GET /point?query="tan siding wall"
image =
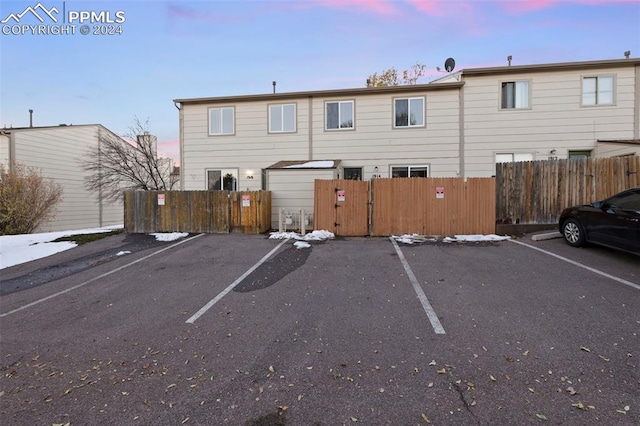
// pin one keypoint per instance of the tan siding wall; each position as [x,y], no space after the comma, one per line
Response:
[57,153]
[374,142]
[252,148]
[615,150]
[293,190]
[556,119]
[4,150]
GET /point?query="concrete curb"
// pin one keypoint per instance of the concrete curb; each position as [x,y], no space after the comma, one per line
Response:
[546,236]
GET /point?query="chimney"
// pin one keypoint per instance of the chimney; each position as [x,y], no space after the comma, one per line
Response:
[30,118]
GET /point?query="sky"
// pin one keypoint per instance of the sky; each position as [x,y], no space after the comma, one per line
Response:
[159,51]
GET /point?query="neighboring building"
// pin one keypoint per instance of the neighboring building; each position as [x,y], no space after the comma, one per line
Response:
[56,152]
[461,125]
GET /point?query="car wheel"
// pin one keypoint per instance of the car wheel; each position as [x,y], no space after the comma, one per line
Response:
[573,233]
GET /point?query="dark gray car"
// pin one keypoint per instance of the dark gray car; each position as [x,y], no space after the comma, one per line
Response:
[614,222]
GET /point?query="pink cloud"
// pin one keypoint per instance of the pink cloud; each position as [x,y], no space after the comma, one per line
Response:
[428,7]
[170,148]
[379,7]
[525,6]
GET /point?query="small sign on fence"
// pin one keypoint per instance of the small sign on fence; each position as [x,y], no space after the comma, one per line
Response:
[439,192]
[246,201]
[341,195]
[161,199]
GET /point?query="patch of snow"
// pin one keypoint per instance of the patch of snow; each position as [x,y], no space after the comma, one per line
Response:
[122,253]
[17,249]
[475,238]
[416,238]
[301,245]
[312,165]
[283,236]
[311,236]
[171,236]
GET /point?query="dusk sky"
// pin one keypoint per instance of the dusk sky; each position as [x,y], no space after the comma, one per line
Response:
[182,49]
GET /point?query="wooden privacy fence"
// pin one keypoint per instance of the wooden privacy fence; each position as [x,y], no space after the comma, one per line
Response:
[341,206]
[433,206]
[443,206]
[197,211]
[536,192]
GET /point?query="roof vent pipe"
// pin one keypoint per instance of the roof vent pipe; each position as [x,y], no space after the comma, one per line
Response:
[509,58]
[30,118]
[274,86]
[627,54]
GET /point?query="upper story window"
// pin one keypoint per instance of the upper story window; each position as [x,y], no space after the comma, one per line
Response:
[339,115]
[597,90]
[409,112]
[515,95]
[221,121]
[282,118]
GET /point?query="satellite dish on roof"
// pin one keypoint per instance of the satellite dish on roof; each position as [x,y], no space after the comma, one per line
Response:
[449,64]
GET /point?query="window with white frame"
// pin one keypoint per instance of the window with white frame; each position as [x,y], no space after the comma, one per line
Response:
[515,95]
[222,180]
[409,112]
[510,157]
[409,171]
[597,90]
[282,118]
[221,121]
[339,115]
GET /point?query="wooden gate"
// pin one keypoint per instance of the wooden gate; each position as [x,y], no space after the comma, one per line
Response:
[342,206]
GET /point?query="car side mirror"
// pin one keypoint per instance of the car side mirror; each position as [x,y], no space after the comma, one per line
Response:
[597,205]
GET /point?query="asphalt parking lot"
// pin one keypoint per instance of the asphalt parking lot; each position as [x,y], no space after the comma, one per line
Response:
[244,330]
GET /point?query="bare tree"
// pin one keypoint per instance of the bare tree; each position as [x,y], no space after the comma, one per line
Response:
[26,199]
[390,77]
[124,163]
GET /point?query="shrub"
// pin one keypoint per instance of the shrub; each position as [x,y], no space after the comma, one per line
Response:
[26,199]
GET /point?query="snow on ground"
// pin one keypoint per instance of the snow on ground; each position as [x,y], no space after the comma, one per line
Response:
[17,249]
[416,238]
[311,236]
[171,236]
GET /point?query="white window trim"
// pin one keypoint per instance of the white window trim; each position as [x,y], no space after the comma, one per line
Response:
[515,157]
[598,104]
[295,118]
[233,110]
[353,116]
[515,108]
[409,125]
[409,166]
[223,171]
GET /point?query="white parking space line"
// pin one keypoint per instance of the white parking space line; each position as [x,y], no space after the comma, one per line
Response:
[431,314]
[231,286]
[588,268]
[44,299]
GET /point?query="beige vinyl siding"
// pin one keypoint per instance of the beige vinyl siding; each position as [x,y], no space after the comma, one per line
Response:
[375,142]
[556,118]
[252,148]
[615,150]
[4,150]
[57,153]
[293,190]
